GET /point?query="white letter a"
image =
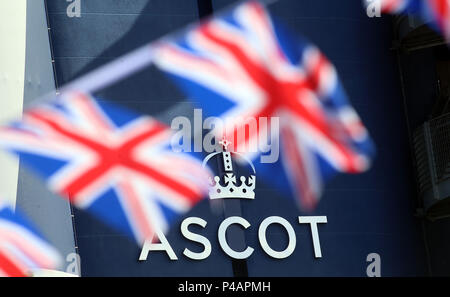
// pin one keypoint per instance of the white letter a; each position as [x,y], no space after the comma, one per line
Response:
[162,246]
[373,8]
[74,9]
[373,269]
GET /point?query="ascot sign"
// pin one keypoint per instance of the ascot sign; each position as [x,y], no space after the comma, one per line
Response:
[228,189]
[165,246]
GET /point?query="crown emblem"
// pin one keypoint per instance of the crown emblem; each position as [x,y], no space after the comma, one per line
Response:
[228,187]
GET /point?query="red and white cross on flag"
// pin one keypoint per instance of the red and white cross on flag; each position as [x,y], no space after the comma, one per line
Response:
[110,161]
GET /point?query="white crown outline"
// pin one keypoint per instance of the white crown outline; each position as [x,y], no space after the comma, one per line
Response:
[230,189]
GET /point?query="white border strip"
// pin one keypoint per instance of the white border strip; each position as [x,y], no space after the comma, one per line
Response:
[12,81]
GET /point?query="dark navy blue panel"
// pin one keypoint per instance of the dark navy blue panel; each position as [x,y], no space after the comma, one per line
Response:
[367,213]
[109,29]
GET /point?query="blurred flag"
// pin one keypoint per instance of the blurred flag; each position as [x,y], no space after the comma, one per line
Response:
[435,11]
[22,248]
[109,161]
[245,65]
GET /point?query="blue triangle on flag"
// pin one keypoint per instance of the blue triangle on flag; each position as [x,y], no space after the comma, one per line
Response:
[231,19]
[119,116]
[203,96]
[108,208]
[45,166]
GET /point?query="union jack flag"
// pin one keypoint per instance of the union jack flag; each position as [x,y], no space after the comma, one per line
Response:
[22,248]
[437,12]
[109,161]
[244,65]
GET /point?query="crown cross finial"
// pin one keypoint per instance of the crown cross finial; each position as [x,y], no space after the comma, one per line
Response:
[225,143]
[228,185]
